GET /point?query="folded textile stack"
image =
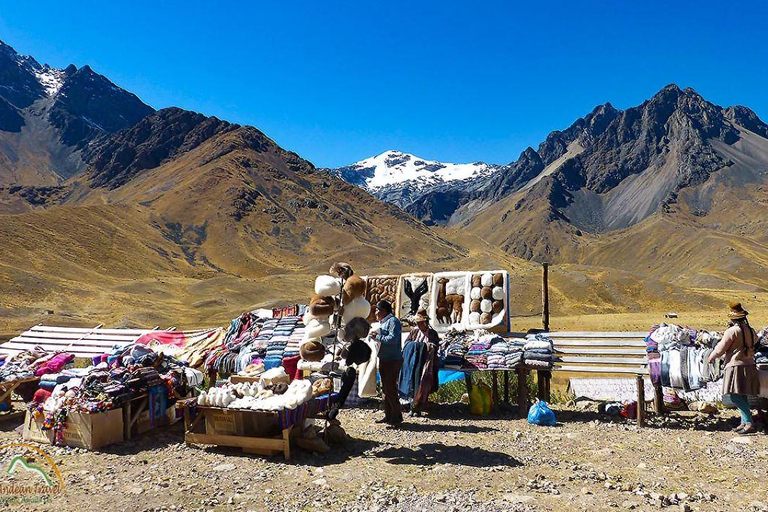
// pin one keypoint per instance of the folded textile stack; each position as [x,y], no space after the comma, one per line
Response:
[294,341]
[32,363]
[477,355]
[761,350]
[504,354]
[455,345]
[539,353]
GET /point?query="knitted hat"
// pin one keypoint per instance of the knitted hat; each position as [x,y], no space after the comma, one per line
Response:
[736,311]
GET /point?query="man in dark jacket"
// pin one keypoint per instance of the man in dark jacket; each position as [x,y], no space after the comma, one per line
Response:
[390,361]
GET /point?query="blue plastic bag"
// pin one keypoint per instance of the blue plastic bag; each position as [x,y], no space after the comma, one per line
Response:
[541,414]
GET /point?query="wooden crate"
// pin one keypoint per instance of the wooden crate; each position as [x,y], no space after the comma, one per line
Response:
[247,430]
[84,430]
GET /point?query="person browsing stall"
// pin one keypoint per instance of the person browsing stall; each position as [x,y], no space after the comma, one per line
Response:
[741,377]
[390,361]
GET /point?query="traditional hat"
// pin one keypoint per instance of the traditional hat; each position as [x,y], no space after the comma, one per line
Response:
[312,351]
[354,287]
[356,329]
[736,311]
[341,269]
[421,316]
[322,307]
[358,352]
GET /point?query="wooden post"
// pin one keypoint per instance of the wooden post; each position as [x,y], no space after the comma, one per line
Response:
[658,399]
[506,387]
[545,296]
[495,380]
[522,392]
[468,381]
[543,379]
[640,401]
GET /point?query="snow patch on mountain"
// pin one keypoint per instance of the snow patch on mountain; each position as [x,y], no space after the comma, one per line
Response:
[393,168]
[51,79]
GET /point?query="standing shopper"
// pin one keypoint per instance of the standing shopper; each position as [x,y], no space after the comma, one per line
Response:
[390,361]
[741,377]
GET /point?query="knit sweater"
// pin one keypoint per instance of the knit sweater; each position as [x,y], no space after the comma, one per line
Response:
[733,346]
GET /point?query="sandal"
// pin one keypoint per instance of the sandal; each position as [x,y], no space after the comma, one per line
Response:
[747,430]
[738,429]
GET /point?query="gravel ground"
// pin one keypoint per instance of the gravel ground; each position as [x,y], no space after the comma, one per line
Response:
[448,461]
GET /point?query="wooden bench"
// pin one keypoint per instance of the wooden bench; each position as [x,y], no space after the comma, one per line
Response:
[611,353]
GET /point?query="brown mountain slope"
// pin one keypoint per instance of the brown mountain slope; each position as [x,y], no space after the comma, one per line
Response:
[235,201]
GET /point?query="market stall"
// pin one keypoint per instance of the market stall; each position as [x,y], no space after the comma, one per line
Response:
[129,390]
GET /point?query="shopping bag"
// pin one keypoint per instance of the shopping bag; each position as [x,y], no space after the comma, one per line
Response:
[480,400]
[541,414]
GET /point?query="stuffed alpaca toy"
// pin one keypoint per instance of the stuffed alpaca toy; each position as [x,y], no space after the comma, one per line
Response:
[327,286]
[356,329]
[356,308]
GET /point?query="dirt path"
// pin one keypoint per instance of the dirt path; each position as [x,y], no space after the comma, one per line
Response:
[450,461]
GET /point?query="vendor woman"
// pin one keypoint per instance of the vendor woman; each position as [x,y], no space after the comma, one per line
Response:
[424,362]
[741,377]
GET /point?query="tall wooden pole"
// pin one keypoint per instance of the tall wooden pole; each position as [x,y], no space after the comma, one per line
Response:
[545,296]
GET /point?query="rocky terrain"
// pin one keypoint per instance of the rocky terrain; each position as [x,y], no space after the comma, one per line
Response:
[449,461]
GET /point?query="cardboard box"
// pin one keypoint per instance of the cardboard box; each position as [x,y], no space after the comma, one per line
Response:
[84,430]
[228,423]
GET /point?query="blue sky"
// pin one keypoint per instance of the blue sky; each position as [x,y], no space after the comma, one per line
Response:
[454,81]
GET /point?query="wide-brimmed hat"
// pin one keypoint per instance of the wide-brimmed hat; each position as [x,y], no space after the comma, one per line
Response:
[312,351]
[421,316]
[737,312]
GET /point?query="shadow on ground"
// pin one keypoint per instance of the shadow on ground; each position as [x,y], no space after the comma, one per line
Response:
[437,453]
[674,420]
[435,427]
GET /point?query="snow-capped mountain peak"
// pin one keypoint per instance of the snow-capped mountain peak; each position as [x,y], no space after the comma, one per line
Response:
[396,168]
[51,79]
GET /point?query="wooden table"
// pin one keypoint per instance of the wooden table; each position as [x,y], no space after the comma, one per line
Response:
[132,409]
[523,400]
[260,424]
[259,445]
[6,388]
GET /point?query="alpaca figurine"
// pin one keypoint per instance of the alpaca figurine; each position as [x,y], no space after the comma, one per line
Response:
[442,313]
[458,308]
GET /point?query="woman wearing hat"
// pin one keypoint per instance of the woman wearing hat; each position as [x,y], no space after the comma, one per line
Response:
[741,377]
[425,373]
